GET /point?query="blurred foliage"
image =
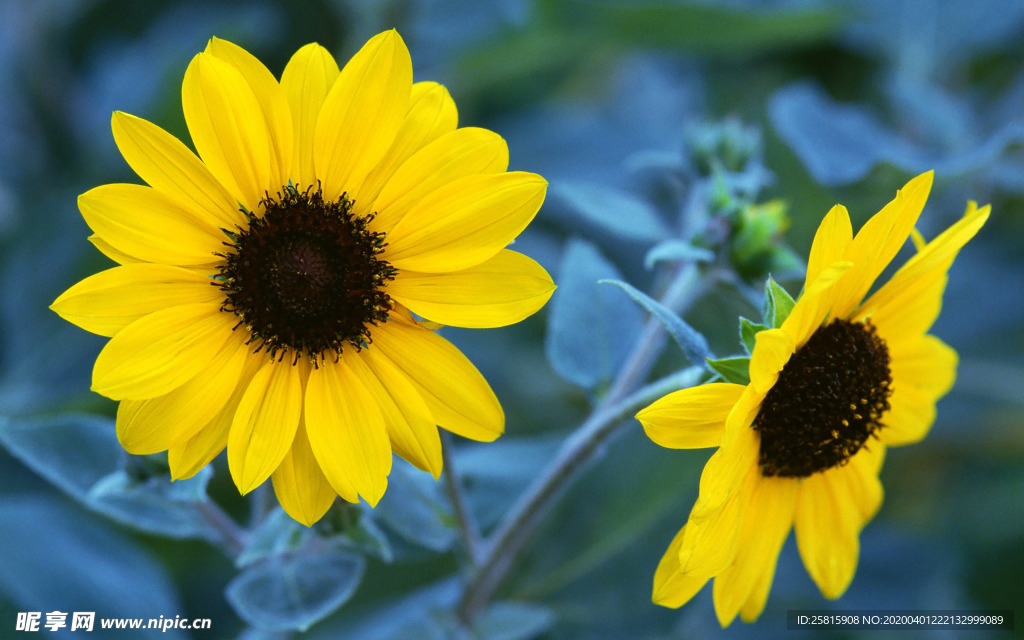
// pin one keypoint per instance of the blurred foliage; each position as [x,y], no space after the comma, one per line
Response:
[671,131]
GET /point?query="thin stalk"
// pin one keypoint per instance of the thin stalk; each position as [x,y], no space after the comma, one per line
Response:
[516,528]
[233,538]
[468,527]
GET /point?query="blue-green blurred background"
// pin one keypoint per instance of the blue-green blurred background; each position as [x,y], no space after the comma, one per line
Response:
[851,98]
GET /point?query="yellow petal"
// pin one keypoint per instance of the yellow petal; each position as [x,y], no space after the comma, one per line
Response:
[411,427]
[766,525]
[171,168]
[264,424]
[878,242]
[691,418]
[228,128]
[728,466]
[501,291]
[117,256]
[144,223]
[150,426]
[909,418]
[754,606]
[457,395]
[347,432]
[815,304]
[772,350]
[925,364]
[300,485]
[673,588]
[829,517]
[431,114]
[110,300]
[830,243]
[272,101]
[361,114]
[713,537]
[460,153]
[908,304]
[161,351]
[465,222]
[923,370]
[306,80]
[188,457]
[864,488]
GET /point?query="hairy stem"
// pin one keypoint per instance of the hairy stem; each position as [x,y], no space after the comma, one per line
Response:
[233,538]
[516,528]
[468,527]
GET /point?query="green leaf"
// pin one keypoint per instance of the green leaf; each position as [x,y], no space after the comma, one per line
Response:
[507,69]
[73,451]
[708,28]
[415,509]
[513,621]
[277,534]
[692,342]
[777,304]
[735,369]
[365,537]
[295,590]
[591,328]
[80,455]
[155,505]
[677,251]
[54,555]
[612,210]
[748,330]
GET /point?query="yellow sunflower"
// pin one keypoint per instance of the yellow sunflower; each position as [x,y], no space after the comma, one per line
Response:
[801,445]
[267,288]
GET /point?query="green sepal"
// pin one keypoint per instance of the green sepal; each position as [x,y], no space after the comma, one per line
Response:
[748,330]
[777,303]
[735,369]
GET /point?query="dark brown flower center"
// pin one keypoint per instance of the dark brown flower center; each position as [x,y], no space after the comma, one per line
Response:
[829,399]
[306,276]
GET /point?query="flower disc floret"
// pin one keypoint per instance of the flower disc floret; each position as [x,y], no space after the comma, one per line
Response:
[830,398]
[306,276]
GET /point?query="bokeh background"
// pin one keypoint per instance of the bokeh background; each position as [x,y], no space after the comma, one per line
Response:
[620,106]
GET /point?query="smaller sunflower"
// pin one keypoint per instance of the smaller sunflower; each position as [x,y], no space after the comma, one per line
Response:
[831,386]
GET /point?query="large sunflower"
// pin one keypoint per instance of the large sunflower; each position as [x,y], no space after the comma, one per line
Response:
[802,444]
[265,295]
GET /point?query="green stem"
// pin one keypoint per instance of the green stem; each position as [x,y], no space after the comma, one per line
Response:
[233,538]
[516,528]
[468,527]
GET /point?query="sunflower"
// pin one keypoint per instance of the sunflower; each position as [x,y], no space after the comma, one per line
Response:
[831,386]
[278,294]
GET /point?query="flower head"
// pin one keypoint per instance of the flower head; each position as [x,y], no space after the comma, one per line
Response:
[265,295]
[841,378]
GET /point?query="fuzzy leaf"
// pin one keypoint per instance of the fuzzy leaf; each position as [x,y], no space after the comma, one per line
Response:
[590,328]
[73,452]
[155,505]
[415,509]
[611,210]
[513,621]
[293,591]
[56,557]
[692,342]
[677,250]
